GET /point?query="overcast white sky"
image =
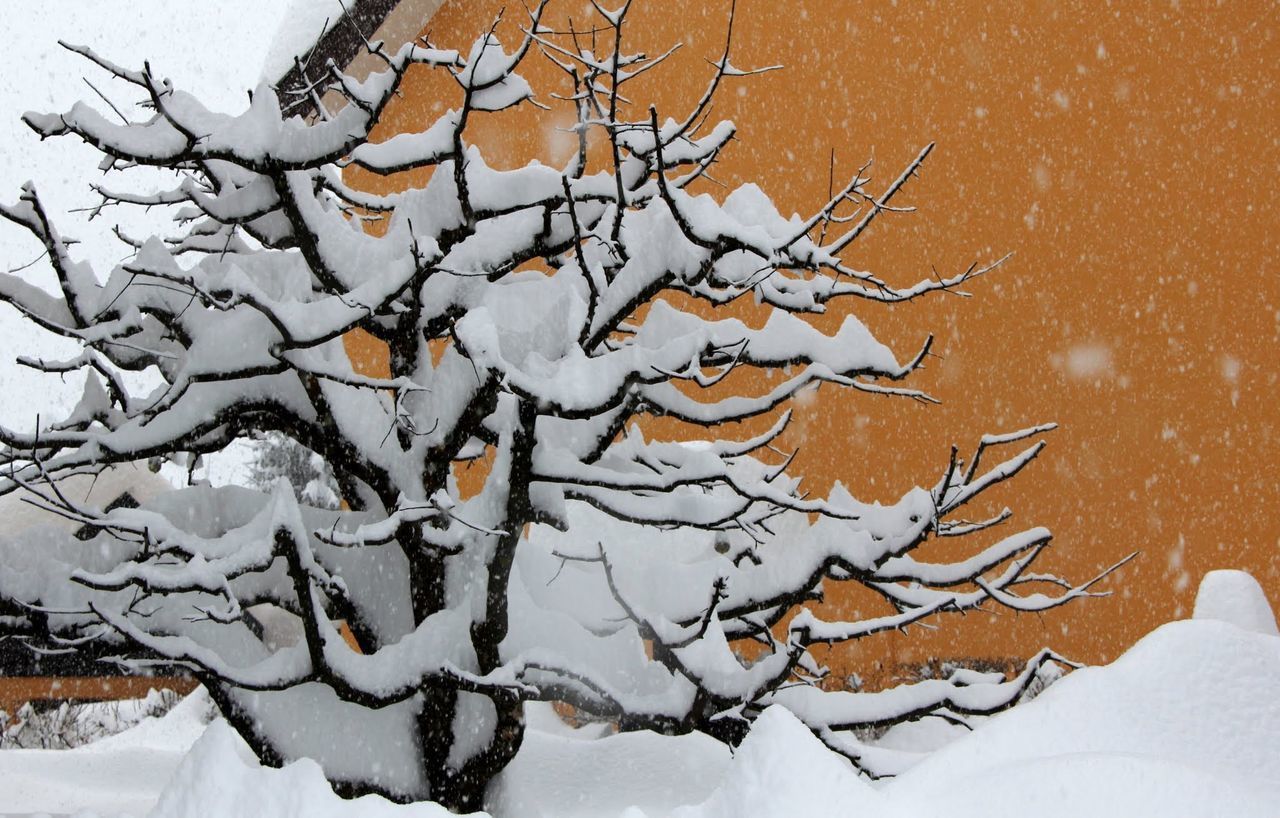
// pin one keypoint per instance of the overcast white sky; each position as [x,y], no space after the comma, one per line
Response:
[214,49]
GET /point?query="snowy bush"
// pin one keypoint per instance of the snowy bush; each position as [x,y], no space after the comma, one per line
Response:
[276,456]
[69,724]
[532,317]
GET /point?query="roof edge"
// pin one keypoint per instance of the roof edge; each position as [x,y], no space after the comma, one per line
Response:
[394,22]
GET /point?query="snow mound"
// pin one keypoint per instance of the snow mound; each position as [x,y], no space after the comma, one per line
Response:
[120,774]
[220,777]
[175,731]
[1235,597]
[782,769]
[563,774]
[1184,723]
[1070,786]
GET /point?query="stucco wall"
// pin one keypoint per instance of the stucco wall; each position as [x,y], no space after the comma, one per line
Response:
[1125,153]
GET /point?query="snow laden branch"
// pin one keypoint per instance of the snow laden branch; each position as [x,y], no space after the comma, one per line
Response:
[689,602]
[533,319]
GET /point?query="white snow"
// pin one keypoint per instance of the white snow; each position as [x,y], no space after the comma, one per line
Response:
[1235,597]
[568,774]
[1230,366]
[1186,723]
[781,769]
[220,777]
[121,774]
[302,23]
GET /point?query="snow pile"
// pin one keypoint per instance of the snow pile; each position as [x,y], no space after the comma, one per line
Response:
[220,778]
[781,769]
[176,730]
[1184,724]
[121,774]
[565,773]
[1235,597]
[102,489]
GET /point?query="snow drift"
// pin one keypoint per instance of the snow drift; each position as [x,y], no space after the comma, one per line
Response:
[121,774]
[221,778]
[1186,723]
[1183,724]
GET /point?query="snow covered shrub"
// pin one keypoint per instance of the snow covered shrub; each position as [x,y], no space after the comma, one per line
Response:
[277,455]
[69,724]
[532,316]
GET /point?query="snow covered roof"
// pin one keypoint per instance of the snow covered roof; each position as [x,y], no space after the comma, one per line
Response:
[103,489]
[315,32]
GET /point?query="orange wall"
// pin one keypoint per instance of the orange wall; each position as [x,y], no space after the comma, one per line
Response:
[1125,153]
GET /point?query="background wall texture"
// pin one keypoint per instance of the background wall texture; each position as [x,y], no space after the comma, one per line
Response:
[1126,155]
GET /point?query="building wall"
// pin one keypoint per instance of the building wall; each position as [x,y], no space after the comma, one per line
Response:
[1124,153]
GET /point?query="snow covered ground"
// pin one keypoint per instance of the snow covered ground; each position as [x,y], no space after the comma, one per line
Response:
[1186,723]
[121,774]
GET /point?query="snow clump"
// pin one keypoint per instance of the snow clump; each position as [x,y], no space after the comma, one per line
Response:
[1235,597]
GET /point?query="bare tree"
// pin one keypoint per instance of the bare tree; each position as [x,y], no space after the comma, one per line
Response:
[529,322]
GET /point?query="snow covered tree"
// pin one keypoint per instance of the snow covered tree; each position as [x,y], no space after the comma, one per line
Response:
[534,318]
[276,456]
